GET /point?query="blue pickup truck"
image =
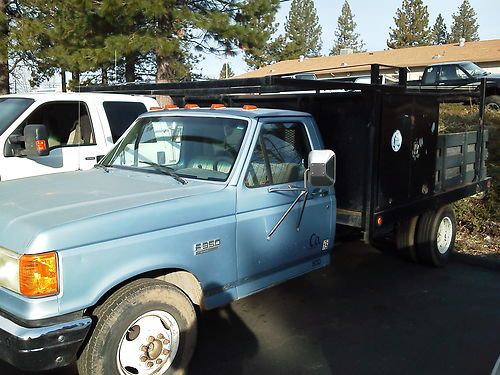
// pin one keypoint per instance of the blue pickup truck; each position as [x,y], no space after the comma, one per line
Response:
[196,207]
[244,201]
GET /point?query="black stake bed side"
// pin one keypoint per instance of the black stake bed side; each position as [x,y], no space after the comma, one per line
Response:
[378,180]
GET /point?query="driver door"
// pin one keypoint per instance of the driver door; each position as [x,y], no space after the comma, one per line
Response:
[278,160]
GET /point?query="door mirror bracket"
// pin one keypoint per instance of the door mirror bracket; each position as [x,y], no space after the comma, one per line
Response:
[321,172]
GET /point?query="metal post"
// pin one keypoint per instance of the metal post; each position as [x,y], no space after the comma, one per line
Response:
[375,74]
[480,131]
[403,76]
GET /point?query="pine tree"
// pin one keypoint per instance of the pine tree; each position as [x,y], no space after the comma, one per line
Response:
[302,31]
[158,36]
[439,33]
[4,43]
[411,25]
[464,24]
[345,35]
[263,19]
[226,71]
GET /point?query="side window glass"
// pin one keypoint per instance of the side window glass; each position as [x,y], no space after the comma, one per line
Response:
[280,155]
[449,73]
[68,123]
[430,76]
[121,115]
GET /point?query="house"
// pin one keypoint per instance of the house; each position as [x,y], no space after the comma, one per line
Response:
[485,53]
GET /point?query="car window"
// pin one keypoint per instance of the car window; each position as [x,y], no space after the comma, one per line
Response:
[202,148]
[67,123]
[280,155]
[430,76]
[11,109]
[451,73]
[121,115]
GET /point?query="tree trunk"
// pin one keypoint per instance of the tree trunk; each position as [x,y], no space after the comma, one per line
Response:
[164,69]
[75,76]
[4,55]
[63,80]
[130,62]
[104,76]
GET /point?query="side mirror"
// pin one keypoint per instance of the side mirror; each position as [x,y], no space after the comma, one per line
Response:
[36,141]
[322,168]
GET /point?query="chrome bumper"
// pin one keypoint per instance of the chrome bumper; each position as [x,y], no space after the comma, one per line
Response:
[41,348]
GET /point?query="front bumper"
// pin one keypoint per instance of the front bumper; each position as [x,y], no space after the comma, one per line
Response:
[41,348]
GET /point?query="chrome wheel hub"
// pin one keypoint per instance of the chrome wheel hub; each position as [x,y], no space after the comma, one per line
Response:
[444,235]
[149,344]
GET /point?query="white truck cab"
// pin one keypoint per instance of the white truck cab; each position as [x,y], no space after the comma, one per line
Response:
[81,128]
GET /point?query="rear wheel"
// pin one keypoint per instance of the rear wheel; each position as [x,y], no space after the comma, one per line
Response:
[435,237]
[147,327]
[493,102]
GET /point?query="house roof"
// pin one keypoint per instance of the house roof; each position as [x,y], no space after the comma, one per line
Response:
[485,51]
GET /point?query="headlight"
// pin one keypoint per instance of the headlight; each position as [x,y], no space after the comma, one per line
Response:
[9,269]
[30,275]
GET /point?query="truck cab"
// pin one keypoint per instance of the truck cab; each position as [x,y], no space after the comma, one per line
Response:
[205,206]
[462,76]
[81,128]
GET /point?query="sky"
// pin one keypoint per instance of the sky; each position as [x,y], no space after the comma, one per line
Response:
[373,18]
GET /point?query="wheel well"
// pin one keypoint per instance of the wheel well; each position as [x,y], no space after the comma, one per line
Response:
[182,279]
[186,282]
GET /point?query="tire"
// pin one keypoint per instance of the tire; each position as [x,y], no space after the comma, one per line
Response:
[405,238]
[147,326]
[492,102]
[435,239]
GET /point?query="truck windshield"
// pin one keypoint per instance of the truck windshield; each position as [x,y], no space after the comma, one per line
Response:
[10,109]
[474,70]
[203,148]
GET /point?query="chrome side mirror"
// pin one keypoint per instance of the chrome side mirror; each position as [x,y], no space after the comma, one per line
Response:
[322,168]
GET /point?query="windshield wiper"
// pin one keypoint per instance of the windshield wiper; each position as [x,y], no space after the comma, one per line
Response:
[164,169]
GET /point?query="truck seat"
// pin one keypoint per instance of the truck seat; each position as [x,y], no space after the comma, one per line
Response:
[81,133]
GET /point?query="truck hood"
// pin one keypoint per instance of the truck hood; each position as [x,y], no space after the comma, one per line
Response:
[70,209]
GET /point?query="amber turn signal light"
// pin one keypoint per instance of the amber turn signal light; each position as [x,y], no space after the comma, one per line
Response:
[38,275]
[41,145]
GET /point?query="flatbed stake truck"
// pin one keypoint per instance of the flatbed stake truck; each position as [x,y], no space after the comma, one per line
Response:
[195,208]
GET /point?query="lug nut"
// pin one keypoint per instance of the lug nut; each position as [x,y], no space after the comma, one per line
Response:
[159,361]
[143,358]
[144,348]
[151,339]
[160,337]
[149,364]
[166,351]
[166,341]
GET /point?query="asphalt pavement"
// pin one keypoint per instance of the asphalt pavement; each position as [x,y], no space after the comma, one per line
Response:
[368,313]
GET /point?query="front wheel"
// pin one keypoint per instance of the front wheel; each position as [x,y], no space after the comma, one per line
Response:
[435,237]
[146,327]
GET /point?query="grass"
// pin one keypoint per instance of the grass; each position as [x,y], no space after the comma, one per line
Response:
[478,218]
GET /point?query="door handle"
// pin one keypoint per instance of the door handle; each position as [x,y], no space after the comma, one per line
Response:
[90,158]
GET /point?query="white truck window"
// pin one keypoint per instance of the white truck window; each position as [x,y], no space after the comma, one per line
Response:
[68,123]
[11,108]
[121,115]
[280,155]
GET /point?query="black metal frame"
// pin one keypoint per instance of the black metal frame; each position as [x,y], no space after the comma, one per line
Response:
[237,91]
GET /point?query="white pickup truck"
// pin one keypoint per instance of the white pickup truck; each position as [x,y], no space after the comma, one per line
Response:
[81,128]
